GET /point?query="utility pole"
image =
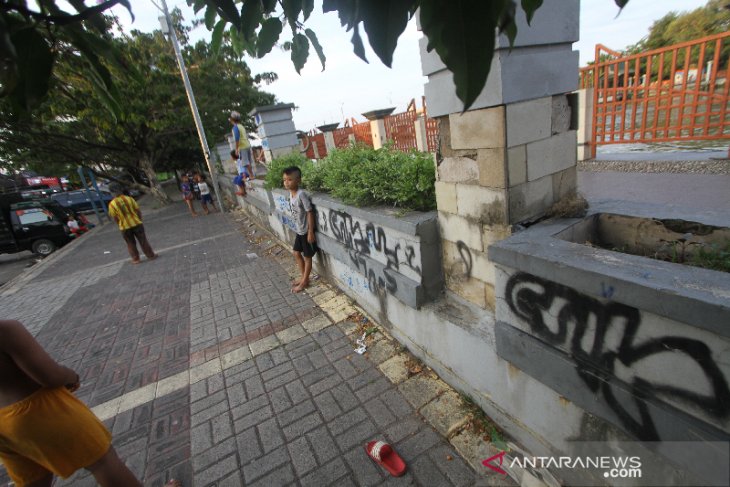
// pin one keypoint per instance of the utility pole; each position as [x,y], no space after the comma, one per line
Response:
[167,28]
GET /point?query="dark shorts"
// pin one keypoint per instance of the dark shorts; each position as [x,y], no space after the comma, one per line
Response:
[301,245]
[206,198]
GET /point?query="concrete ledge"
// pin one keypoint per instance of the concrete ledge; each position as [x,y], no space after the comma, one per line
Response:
[692,295]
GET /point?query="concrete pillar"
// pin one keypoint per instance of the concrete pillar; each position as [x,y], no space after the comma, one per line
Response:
[377,125]
[585,123]
[377,129]
[513,154]
[329,136]
[329,141]
[421,141]
[276,129]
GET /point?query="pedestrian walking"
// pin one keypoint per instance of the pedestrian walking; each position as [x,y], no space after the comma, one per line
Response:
[44,429]
[128,216]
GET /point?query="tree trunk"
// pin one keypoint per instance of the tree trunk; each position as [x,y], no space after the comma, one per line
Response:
[145,164]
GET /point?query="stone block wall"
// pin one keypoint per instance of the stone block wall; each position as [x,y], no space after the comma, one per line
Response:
[513,154]
[498,166]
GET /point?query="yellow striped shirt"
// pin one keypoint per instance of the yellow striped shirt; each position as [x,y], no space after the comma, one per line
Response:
[124,210]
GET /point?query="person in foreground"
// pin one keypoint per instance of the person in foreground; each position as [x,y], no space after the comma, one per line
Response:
[302,212]
[128,216]
[44,429]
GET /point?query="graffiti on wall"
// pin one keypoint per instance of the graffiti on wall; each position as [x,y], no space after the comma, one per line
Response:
[282,205]
[366,239]
[588,328]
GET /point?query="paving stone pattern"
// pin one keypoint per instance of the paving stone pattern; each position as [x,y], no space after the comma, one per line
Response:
[297,413]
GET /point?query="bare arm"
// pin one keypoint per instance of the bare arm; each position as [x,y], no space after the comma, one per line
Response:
[32,359]
[311,238]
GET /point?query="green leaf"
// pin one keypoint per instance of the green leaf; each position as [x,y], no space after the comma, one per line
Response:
[210,15]
[307,8]
[292,8]
[227,10]
[269,34]
[251,17]
[34,65]
[197,5]
[217,36]
[317,47]
[237,42]
[299,51]
[358,47]
[384,21]
[346,10]
[269,5]
[529,6]
[508,21]
[97,20]
[463,36]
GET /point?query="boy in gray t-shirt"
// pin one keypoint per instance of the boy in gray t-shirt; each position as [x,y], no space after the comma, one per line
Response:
[302,214]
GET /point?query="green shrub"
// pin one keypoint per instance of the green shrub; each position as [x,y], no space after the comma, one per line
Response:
[362,176]
[276,167]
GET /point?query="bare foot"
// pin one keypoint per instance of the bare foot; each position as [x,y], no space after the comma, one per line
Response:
[300,287]
[135,262]
[152,258]
[173,483]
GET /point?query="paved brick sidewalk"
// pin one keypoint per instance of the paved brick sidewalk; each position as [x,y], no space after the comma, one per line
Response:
[207,369]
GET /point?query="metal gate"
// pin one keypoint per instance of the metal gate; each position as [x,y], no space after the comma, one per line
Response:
[675,93]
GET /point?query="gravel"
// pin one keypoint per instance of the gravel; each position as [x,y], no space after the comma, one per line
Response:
[721,166]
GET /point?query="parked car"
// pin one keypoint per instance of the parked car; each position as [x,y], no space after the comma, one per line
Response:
[79,200]
[39,226]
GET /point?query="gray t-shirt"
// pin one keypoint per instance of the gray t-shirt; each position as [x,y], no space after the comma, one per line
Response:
[299,205]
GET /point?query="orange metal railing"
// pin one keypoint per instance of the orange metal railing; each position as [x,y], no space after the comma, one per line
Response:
[674,93]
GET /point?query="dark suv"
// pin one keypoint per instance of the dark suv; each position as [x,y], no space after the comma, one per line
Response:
[79,201]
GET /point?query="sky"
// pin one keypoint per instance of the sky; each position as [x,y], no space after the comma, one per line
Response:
[349,87]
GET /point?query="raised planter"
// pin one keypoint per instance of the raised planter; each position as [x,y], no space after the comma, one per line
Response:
[371,252]
[641,344]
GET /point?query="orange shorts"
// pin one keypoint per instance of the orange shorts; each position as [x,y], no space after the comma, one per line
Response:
[50,431]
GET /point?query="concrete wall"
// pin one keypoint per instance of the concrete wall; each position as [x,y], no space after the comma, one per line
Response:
[637,347]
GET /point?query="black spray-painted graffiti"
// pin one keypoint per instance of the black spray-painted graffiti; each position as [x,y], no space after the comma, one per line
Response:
[361,241]
[466,257]
[531,297]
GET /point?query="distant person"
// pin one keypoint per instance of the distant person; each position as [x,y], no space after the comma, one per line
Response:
[44,429]
[128,216]
[205,197]
[186,187]
[240,145]
[75,227]
[302,214]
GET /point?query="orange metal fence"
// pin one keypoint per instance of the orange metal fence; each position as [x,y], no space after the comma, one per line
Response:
[363,133]
[400,129]
[674,93]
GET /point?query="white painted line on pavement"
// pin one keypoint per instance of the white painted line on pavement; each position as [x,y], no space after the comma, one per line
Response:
[153,391]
